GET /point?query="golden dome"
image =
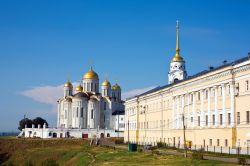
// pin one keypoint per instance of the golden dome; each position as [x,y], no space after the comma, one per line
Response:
[177,58]
[79,88]
[90,74]
[116,87]
[106,83]
[68,84]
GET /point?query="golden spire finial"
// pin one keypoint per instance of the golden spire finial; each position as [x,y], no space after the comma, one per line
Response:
[177,38]
[177,56]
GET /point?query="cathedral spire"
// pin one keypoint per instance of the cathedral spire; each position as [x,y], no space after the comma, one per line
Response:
[177,56]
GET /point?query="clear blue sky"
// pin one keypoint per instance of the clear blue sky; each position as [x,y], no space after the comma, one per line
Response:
[43,42]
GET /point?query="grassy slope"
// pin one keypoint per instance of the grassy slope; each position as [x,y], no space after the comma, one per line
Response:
[77,152]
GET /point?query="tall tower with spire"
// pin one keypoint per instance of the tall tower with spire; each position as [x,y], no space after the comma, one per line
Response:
[177,66]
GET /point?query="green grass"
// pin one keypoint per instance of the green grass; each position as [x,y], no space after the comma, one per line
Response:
[79,153]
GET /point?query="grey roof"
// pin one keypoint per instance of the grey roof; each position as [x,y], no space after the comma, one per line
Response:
[80,95]
[194,76]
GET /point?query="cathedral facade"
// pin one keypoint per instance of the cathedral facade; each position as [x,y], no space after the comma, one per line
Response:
[85,107]
[212,106]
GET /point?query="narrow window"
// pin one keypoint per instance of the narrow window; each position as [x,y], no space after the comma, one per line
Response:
[81,112]
[213,119]
[247,85]
[229,118]
[206,120]
[91,87]
[92,114]
[238,117]
[210,142]
[218,142]
[247,116]
[77,112]
[192,119]
[226,143]
[228,89]
[104,105]
[221,119]
[199,121]
[199,96]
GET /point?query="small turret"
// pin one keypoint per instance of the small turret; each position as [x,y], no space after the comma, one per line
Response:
[68,88]
[91,81]
[106,88]
[116,92]
[79,88]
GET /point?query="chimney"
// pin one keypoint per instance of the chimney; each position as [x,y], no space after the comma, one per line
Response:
[211,67]
[224,62]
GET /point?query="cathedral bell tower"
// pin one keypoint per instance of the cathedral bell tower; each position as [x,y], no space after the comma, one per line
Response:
[177,66]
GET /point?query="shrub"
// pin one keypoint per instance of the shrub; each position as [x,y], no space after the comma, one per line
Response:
[50,162]
[161,144]
[242,161]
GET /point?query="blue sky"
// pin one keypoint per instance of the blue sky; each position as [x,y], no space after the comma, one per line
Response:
[42,43]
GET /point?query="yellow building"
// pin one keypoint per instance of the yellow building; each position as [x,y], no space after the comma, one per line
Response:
[213,105]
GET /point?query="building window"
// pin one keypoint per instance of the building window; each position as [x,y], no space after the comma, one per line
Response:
[218,142]
[88,87]
[238,117]
[192,119]
[81,112]
[199,120]
[210,142]
[213,119]
[220,91]
[77,112]
[247,116]
[229,118]
[226,143]
[247,85]
[228,89]
[92,114]
[198,96]
[206,94]
[206,120]
[105,106]
[221,119]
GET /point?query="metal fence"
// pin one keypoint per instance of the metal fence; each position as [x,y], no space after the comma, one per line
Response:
[215,149]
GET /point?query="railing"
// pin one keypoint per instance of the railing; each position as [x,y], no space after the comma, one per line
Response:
[215,149]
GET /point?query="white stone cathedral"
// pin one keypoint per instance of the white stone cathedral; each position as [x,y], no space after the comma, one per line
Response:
[86,108]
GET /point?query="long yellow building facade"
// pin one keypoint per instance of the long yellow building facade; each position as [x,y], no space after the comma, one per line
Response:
[214,107]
